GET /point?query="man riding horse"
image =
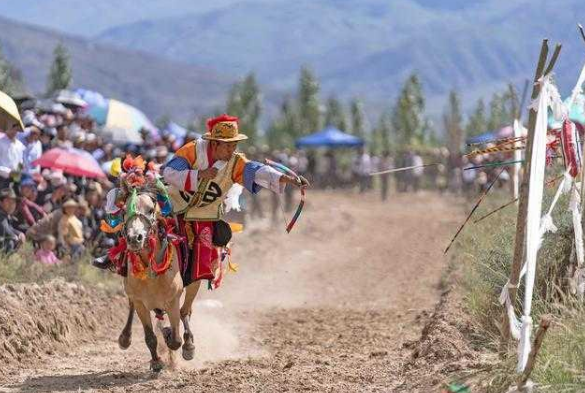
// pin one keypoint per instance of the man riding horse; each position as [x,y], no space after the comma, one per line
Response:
[199,176]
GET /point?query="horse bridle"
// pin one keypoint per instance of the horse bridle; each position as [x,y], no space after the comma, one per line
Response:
[151,221]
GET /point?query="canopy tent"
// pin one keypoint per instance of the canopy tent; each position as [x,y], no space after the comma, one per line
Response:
[329,137]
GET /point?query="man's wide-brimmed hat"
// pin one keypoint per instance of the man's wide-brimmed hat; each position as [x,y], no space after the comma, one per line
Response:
[70,203]
[224,129]
[7,193]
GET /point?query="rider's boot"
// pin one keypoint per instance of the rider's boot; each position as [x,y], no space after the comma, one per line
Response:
[102,262]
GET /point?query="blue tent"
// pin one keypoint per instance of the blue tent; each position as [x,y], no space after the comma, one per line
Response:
[329,137]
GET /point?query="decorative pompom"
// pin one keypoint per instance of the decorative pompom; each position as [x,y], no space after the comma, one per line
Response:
[220,119]
[128,163]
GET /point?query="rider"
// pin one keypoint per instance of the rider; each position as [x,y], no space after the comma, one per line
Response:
[200,175]
[203,171]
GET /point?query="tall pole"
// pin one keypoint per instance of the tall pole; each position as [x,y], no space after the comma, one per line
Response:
[519,242]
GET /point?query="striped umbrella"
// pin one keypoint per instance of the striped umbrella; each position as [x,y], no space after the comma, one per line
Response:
[120,122]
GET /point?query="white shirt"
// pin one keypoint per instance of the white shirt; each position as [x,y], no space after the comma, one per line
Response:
[11,155]
[32,151]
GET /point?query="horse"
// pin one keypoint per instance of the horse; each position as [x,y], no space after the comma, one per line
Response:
[154,292]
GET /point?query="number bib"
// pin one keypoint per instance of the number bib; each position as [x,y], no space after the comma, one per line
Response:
[207,203]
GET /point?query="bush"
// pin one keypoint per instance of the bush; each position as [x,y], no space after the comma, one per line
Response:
[21,267]
[486,252]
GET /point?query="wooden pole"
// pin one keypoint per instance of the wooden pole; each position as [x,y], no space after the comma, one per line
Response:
[519,241]
[545,322]
[515,169]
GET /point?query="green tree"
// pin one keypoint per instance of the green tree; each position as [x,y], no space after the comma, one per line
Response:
[381,136]
[287,128]
[244,101]
[334,115]
[477,123]
[11,81]
[60,74]
[452,121]
[497,117]
[510,104]
[358,118]
[408,116]
[308,102]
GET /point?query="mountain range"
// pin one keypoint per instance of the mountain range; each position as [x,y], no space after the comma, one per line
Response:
[362,48]
[156,85]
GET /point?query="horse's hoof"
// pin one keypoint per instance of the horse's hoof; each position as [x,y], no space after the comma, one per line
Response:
[156,365]
[124,341]
[173,345]
[188,351]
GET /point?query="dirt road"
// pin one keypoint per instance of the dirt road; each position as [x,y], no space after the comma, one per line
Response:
[326,308]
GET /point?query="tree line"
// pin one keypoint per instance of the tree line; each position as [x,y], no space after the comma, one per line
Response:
[60,74]
[402,125]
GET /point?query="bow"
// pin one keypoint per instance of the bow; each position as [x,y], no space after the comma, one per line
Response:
[286,170]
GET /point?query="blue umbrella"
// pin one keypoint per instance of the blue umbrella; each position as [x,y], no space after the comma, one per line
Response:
[329,137]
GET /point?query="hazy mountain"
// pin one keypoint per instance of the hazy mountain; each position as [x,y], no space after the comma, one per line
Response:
[155,85]
[364,47]
[88,18]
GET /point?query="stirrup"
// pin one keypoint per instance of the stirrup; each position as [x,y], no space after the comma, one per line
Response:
[102,262]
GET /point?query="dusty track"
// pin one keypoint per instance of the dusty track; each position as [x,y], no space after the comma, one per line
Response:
[326,308]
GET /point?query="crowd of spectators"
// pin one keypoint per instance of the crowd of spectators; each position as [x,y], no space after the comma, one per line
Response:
[61,214]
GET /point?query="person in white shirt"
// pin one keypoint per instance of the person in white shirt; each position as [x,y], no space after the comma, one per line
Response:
[11,156]
[33,149]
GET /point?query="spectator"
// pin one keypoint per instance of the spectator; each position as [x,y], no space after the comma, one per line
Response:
[10,237]
[55,199]
[11,157]
[28,211]
[46,254]
[362,169]
[70,233]
[384,164]
[33,149]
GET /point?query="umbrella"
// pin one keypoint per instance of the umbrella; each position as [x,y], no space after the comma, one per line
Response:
[121,122]
[70,98]
[50,106]
[330,137]
[72,161]
[8,112]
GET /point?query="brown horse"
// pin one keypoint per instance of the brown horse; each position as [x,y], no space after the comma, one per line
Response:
[159,293]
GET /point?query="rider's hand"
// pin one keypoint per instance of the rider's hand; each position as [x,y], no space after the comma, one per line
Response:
[207,174]
[295,181]
[21,238]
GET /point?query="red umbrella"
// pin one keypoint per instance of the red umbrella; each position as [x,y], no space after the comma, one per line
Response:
[72,161]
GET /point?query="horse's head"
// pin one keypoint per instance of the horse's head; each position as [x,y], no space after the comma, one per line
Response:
[141,223]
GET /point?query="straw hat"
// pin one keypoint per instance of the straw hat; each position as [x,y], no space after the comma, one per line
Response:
[70,203]
[224,129]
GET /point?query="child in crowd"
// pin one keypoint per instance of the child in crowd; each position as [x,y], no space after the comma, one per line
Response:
[71,230]
[46,254]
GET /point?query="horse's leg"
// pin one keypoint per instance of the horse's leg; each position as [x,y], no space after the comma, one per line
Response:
[125,338]
[189,346]
[171,334]
[156,363]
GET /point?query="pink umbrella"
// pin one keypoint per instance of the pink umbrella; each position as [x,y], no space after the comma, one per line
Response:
[72,161]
